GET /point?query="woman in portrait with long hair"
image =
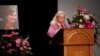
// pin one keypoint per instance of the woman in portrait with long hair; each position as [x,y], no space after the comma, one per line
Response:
[11,18]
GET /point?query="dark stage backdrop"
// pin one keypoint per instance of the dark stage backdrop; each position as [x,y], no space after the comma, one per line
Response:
[34,20]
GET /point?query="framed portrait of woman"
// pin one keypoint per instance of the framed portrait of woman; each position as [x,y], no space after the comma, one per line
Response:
[9,17]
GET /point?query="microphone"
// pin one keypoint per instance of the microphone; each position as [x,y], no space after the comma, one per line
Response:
[1,20]
[68,20]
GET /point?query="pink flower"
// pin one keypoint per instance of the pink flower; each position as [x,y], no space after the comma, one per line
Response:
[21,48]
[13,49]
[3,47]
[14,33]
[18,41]
[25,43]
[9,44]
[10,51]
[81,20]
[7,35]
[82,10]
[88,24]
[85,10]
[25,47]
[10,35]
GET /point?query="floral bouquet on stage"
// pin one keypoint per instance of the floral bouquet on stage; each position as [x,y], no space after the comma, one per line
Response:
[83,19]
[14,45]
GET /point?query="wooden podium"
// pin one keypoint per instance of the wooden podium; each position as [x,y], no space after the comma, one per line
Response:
[78,42]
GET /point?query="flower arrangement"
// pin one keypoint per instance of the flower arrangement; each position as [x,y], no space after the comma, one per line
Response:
[14,45]
[83,19]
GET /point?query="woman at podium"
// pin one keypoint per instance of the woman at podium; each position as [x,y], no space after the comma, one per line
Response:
[58,22]
[55,32]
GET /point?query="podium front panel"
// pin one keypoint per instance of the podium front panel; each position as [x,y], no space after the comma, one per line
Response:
[78,42]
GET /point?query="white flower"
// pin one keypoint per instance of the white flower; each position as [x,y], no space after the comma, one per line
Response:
[81,26]
[29,48]
[86,17]
[93,23]
[81,14]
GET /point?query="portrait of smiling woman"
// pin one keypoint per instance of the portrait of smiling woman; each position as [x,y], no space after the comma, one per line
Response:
[9,17]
